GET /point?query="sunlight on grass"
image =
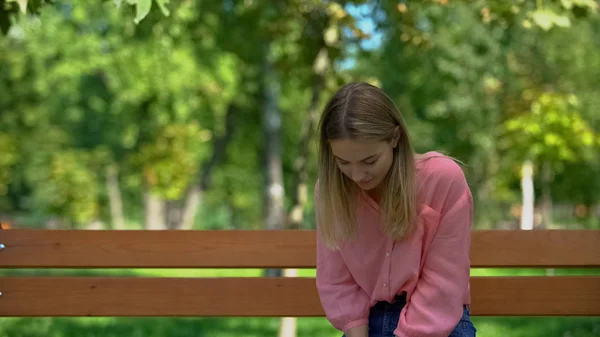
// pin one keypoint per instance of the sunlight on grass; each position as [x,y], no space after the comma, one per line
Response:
[261,327]
[251,272]
[532,271]
[142,272]
[537,326]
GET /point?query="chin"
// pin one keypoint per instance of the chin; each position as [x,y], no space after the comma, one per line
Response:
[368,186]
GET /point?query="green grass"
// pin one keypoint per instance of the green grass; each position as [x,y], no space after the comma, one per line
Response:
[258,272]
[157,327]
[537,326]
[533,271]
[262,327]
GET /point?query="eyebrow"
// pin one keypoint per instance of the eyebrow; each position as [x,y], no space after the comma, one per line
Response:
[367,158]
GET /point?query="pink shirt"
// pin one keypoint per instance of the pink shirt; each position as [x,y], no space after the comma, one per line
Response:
[432,265]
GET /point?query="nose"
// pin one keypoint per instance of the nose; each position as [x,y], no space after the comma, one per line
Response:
[358,175]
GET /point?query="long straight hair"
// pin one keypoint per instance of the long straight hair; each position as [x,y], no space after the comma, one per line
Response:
[363,111]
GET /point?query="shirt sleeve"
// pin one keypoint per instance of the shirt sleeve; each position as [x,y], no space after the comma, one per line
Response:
[345,303]
[436,306]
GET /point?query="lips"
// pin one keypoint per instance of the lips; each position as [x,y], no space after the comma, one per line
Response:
[364,182]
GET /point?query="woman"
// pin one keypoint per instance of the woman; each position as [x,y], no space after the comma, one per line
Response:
[393,227]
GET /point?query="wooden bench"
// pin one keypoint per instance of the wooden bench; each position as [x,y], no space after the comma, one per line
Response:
[162,296]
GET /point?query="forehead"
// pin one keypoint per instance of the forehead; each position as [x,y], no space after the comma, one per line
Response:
[355,149]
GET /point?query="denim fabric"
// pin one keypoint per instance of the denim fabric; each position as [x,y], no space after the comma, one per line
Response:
[384,317]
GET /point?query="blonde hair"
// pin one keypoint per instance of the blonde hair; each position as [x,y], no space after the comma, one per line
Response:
[363,111]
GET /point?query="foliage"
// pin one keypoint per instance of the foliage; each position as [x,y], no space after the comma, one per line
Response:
[552,130]
[8,9]
[145,86]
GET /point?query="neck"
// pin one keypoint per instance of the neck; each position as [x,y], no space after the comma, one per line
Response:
[375,194]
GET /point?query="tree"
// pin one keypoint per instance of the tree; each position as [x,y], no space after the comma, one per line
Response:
[551,133]
[9,9]
[165,122]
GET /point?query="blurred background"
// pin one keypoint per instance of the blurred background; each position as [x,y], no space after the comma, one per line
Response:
[176,114]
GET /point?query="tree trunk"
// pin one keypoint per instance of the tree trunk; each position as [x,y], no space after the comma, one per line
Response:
[547,177]
[173,213]
[287,325]
[114,197]
[299,193]
[154,209]
[273,193]
[295,218]
[95,225]
[486,160]
[492,174]
[528,196]
[54,223]
[192,205]
[196,192]
[487,171]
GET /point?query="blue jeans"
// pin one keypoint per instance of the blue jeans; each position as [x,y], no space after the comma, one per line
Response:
[384,317]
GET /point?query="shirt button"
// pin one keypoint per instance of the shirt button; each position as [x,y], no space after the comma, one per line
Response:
[387,254]
[384,284]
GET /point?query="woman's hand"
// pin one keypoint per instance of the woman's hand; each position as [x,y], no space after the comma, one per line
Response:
[358,331]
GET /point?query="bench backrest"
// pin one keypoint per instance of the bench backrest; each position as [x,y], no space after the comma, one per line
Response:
[258,296]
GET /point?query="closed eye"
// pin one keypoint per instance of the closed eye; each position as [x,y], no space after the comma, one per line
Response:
[368,161]
[371,160]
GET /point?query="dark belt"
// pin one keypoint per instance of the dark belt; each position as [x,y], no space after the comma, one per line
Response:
[399,301]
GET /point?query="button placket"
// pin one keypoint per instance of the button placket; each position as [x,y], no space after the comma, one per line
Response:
[388,253]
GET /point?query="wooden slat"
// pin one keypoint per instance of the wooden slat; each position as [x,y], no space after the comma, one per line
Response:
[87,296]
[536,296]
[265,249]
[535,248]
[156,249]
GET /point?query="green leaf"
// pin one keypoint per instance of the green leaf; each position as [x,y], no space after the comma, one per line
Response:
[162,4]
[547,19]
[142,9]
[544,18]
[22,5]
[331,35]
[570,4]
[562,21]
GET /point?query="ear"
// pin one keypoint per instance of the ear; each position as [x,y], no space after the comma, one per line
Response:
[396,136]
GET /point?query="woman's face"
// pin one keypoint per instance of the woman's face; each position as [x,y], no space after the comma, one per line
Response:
[366,162]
